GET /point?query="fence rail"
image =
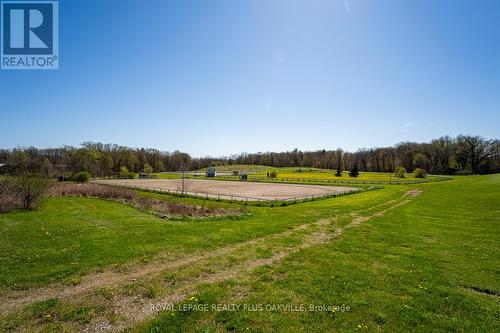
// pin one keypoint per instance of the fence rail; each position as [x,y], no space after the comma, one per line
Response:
[248,200]
[349,182]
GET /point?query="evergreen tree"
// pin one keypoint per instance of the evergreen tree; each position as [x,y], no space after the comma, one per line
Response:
[339,171]
[354,171]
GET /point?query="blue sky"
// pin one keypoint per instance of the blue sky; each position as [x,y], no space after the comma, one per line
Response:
[220,77]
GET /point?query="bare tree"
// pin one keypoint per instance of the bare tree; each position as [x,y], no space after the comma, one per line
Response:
[29,189]
[476,149]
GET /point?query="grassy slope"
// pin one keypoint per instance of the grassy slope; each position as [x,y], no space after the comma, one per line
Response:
[68,237]
[412,266]
[306,173]
[247,168]
[410,270]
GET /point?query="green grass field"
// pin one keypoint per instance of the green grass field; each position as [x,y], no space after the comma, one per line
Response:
[240,168]
[330,175]
[301,175]
[405,258]
[304,173]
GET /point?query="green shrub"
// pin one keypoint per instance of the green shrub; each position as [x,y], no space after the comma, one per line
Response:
[273,174]
[400,172]
[124,173]
[148,169]
[82,177]
[419,173]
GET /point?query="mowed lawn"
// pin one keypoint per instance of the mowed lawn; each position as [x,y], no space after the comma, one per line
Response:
[68,237]
[432,264]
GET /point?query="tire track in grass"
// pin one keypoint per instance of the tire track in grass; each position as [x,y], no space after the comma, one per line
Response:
[137,310]
[108,278]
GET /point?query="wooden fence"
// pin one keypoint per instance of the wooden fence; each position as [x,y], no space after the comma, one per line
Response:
[254,201]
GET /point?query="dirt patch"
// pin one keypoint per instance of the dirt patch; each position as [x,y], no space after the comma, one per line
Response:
[236,190]
[413,193]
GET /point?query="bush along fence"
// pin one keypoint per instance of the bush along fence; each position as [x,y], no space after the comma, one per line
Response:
[252,201]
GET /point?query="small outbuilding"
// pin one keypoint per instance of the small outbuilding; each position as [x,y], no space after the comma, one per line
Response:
[211,172]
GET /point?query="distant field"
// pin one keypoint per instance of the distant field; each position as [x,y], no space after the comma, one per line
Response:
[160,175]
[240,168]
[299,175]
[330,175]
[226,170]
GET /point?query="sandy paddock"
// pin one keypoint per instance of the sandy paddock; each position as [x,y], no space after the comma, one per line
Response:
[239,190]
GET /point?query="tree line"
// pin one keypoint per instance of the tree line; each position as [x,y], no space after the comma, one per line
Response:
[465,154]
